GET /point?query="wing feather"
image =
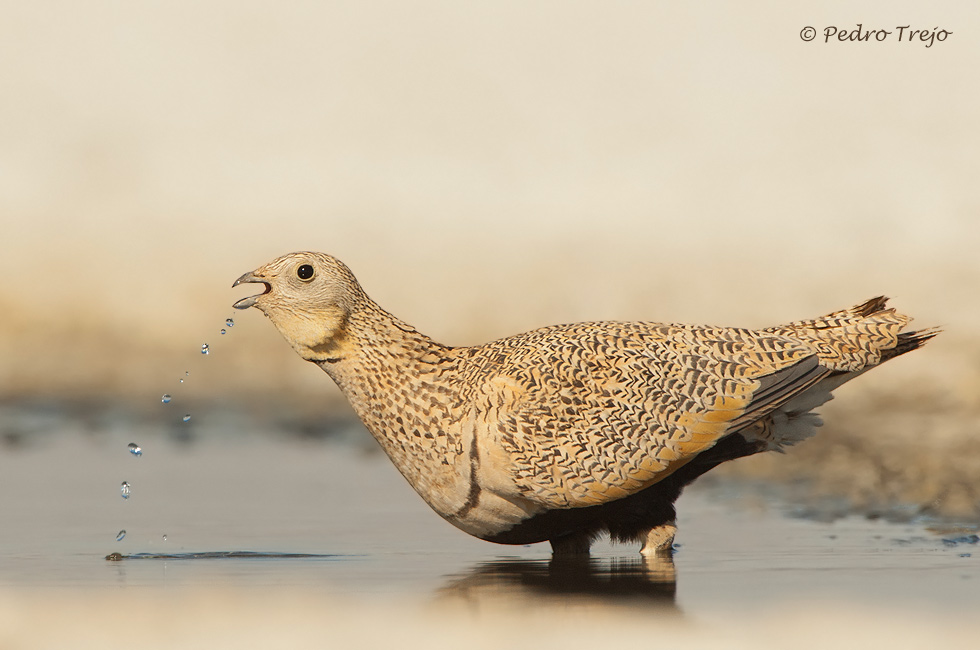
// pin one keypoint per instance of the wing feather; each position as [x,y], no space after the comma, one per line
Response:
[607,409]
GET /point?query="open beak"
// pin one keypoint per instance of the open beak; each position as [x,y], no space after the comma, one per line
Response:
[245,303]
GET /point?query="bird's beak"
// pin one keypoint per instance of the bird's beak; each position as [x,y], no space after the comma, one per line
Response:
[245,303]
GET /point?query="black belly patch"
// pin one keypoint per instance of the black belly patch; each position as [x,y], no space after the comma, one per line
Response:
[627,519]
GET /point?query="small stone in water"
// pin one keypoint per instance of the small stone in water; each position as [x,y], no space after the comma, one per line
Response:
[205,349]
[120,535]
[230,323]
[166,398]
[124,490]
[135,449]
[186,417]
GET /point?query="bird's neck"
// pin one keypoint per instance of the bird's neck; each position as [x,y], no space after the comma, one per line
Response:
[371,339]
[406,389]
[391,373]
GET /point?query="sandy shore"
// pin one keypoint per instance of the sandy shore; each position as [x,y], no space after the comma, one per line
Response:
[217,618]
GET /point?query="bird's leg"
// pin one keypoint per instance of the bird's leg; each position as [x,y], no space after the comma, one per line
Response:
[571,545]
[659,540]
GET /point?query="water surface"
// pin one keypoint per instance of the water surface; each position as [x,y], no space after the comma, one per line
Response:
[254,515]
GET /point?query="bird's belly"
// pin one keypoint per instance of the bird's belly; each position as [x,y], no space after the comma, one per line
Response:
[488,515]
[516,525]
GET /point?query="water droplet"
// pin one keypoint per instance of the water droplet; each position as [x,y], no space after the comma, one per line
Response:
[205,349]
[186,417]
[120,535]
[166,398]
[230,323]
[135,449]
[182,381]
[124,490]
[187,373]
[222,331]
[164,538]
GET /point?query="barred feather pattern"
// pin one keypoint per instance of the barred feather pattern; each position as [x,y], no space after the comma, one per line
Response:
[570,416]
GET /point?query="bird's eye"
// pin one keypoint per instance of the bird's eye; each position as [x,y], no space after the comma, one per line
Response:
[305,272]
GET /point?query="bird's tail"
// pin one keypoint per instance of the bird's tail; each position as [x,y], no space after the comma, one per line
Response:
[855,339]
[908,341]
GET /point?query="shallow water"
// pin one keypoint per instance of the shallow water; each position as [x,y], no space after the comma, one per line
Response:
[375,534]
[330,521]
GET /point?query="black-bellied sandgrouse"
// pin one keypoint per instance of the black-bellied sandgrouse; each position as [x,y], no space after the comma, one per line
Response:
[566,432]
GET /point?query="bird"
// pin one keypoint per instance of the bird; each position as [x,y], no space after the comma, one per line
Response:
[569,432]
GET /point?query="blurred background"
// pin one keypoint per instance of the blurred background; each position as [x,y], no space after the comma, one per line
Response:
[484,169]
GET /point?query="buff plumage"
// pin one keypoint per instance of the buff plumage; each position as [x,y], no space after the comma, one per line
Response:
[566,432]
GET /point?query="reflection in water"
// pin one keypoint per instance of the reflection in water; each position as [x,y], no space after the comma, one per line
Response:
[600,582]
[517,585]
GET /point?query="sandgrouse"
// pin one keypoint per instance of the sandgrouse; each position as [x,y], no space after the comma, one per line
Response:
[567,432]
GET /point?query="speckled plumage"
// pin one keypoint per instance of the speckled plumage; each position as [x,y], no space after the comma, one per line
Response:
[566,432]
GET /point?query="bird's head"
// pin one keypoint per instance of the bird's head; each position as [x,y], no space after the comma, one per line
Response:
[309,298]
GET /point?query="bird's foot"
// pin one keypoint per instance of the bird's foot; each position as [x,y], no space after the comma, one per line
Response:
[571,546]
[659,541]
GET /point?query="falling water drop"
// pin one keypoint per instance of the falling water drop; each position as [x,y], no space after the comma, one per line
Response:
[186,418]
[230,323]
[205,349]
[135,449]
[166,398]
[124,490]
[120,535]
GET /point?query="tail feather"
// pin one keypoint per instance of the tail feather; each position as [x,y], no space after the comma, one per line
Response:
[908,341]
[851,340]
[869,307]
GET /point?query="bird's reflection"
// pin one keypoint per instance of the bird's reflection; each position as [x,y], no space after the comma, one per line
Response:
[607,582]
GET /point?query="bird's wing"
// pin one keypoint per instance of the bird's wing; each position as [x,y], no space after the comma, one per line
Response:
[598,411]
